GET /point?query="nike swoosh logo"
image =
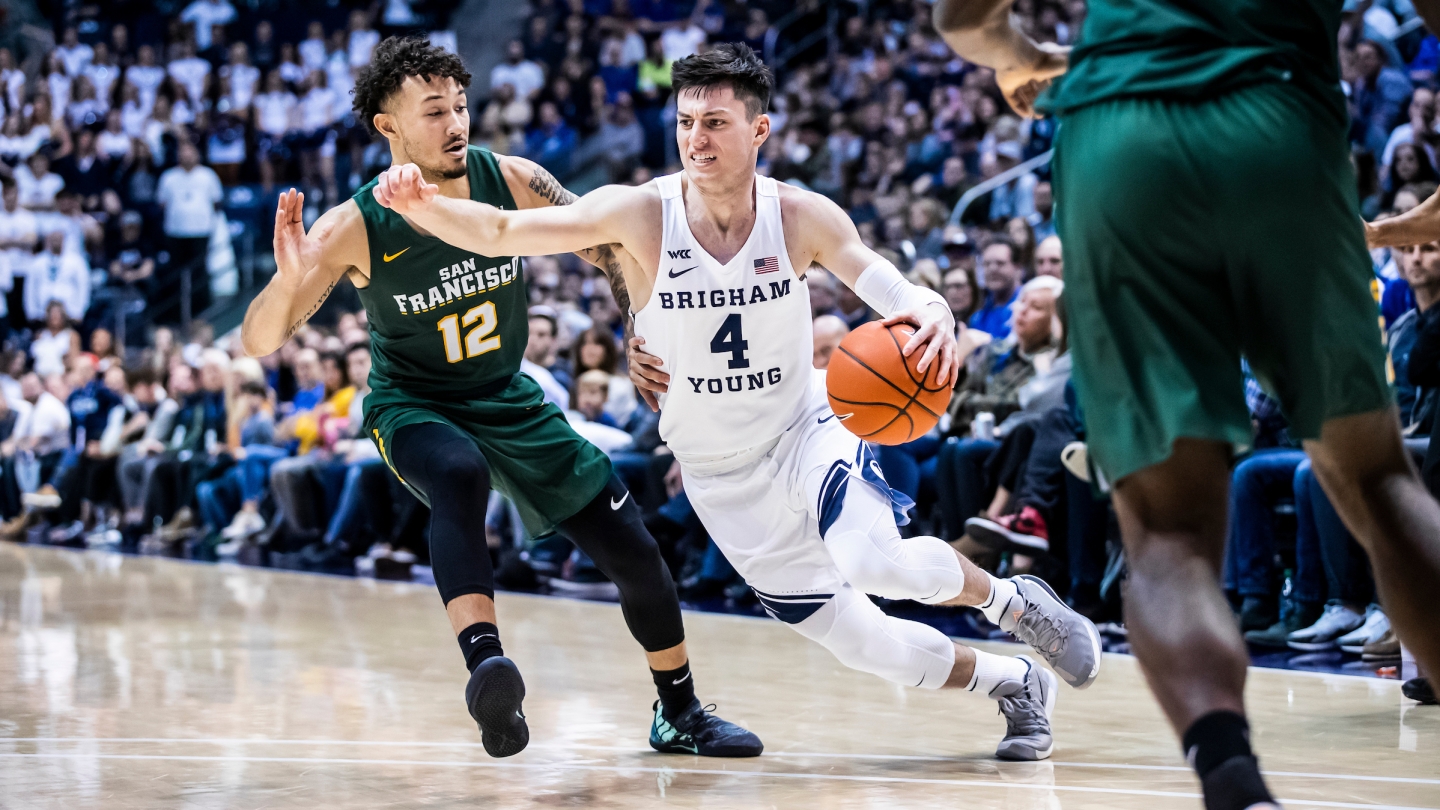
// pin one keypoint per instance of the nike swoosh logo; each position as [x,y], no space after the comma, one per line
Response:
[674,274]
[679,681]
[614,505]
[482,635]
[389,258]
[826,419]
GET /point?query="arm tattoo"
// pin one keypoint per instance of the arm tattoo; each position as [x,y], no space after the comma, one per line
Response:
[544,184]
[295,327]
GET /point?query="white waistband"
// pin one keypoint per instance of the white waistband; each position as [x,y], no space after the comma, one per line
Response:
[717,463]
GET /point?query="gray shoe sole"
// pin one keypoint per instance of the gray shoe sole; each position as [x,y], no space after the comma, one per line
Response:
[1075,680]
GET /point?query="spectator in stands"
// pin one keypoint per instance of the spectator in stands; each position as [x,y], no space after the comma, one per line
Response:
[55,342]
[275,120]
[596,349]
[961,293]
[113,142]
[823,296]
[1001,273]
[1376,98]
[621,138]
[37,184]
[551,141]
[32,453]
[57,276]
[190,195]
[19,236]
[990,382]
[1419,129]
[204,15]
[592,390]
[1411,165]
[1049,260]
[1042,219]
[316,141]
[829,331]
[540,355]
[524,75]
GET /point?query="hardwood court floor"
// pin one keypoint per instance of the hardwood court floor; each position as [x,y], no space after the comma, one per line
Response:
[144,683]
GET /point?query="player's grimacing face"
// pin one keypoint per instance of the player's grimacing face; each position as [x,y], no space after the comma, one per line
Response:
[432,120]
[715,133]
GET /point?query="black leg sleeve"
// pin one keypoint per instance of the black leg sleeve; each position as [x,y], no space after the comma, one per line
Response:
[610,530]
[445,464]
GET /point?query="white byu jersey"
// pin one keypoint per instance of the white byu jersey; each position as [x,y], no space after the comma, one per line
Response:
[735,338]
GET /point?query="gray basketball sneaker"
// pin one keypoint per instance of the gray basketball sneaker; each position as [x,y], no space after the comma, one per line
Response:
[1027,705]
[1067,641]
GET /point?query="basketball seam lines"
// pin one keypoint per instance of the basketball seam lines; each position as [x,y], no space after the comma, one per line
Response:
[911,397]
[920,382]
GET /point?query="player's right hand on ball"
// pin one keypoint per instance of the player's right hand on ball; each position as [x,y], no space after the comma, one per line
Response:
[403,189]
[1022,85]
[645,372]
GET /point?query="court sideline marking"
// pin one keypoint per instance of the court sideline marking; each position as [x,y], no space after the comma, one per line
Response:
[1410,780]
[693,771]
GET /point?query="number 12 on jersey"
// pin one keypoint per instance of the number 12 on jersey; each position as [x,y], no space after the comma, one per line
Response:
[476,340]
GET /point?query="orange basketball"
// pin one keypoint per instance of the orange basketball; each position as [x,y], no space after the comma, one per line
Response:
[875,390]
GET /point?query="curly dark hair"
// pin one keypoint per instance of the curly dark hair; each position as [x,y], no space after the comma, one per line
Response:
[392,61]
[730,64]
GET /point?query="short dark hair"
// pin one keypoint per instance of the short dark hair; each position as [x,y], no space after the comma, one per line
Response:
[391,62]
[255,388]
[357,346]
[1002,239]
[730,64]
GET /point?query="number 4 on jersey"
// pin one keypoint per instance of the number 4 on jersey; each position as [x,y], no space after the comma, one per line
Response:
[476,342]
[730,340]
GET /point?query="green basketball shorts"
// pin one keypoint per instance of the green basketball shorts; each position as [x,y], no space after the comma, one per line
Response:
[1198,232]
[536,459]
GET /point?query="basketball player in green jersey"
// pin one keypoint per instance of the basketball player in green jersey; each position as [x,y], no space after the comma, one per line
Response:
[449,409]
[1205,195]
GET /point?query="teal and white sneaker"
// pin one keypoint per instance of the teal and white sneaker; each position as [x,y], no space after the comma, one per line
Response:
[697,731]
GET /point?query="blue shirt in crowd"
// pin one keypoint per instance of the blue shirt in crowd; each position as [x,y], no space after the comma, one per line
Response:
[994,318]
[89,410]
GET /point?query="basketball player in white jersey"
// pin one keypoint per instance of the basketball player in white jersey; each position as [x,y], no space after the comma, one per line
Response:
[794,500]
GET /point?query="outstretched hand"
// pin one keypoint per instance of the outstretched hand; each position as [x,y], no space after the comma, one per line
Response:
[645,372]
[935,336]
[296,252]
[1022,85]
[404,190]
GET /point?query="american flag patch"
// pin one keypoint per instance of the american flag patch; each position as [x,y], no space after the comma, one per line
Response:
[769,264]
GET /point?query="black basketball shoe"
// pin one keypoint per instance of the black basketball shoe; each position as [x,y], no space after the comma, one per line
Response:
[697,731]
[494,695]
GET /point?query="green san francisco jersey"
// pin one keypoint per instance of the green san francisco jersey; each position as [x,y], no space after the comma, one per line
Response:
[443,320]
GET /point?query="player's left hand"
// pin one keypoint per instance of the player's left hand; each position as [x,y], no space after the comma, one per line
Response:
[403,189]
[935,334]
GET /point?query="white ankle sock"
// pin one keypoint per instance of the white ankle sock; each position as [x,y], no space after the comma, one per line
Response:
[992,670]
[1001,592]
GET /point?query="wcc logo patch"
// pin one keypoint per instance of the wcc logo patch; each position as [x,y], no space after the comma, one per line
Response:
[679,254]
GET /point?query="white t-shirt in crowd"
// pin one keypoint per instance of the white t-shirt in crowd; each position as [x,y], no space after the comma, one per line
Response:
[14,83]
[678,43]
[19,148]
[112,145]
[64,278]
[21,226]
[37,192]
[103,77]
[147,79]
[274,112]
[59,86]
[243,79]
[47,420]
[362,43]
[526,77]
[191,72]
[132,119]
[317,109]
[49,351]
[75,59]
[292,73]
[72,227]
[206,13]
[312,54]
[189,199]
